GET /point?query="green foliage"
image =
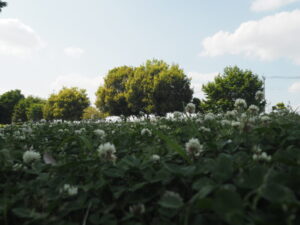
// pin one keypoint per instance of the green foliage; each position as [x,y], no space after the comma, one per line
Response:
[8,101]
[154,87]
[92,113]
[234,83]
[111,98]
[35,111]
[224,185]
[30,108]
[2,4]
[68,104]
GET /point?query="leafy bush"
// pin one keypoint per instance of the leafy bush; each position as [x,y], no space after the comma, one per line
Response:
[234,168]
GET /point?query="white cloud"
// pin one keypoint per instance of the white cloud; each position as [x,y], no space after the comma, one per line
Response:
[18,39]
[198,79]
[270,38]
[266,5]
[295,88]
[91,84]
[74,52]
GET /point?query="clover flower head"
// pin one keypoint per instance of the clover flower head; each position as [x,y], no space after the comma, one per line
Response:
[204,129]
[231,114]
[209,116]
[190,108]
[30,156]
[69,189]
[155,158]
[265,118]
[259,95]
[177,115]
[240,103]
[100,133]
[137,209]
[107,152]
[263,156]
[235,124]
[253,109]
[146,132]
[193,147]
[225,122]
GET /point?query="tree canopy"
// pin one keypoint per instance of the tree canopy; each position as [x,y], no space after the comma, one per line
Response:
[234,83]
[68,104]
[2,4]
[30,108]
[154,87]
[8,100]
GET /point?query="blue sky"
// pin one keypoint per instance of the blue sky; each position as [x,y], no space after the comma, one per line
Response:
[45,45]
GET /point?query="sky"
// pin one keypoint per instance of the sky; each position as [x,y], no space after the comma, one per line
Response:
[45,45]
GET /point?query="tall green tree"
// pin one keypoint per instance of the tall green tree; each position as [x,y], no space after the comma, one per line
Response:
[8,101]
[2,4]
[23,110]
[234,83]
[68,104]
[154,87]
[111,97]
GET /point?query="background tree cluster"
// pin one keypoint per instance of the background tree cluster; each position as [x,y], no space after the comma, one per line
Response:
[2,4]
[68,104]
[234,83]
[154,87]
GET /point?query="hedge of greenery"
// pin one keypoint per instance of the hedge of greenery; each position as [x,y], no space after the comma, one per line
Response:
[234,168]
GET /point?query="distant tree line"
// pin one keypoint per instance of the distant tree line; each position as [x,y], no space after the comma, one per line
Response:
[152,88]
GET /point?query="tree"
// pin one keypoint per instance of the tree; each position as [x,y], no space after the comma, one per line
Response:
[23,110]
[111,98]
[234,83]
[35,111]
[68,104]
[154,87]
[92,113]
[2,4]
[8,100]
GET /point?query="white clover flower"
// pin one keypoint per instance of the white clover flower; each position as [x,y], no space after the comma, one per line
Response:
[193,147]
[265,118]
[177,115]
[243,116]
[204,129]
[240,103]
[231,114]
[164,127]
[235,124]
[199,120]
[259,95]
[107,152]
[209,116]
[190,108]
[155,158]
[31,156]
[146,132]
[78,131]
[100,133]
[253,109]
[252,119]
[69,189]
[263,156]
[17,167]
[137,209]
[225,122]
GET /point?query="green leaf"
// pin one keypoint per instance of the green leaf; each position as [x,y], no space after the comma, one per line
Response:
[172,202]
